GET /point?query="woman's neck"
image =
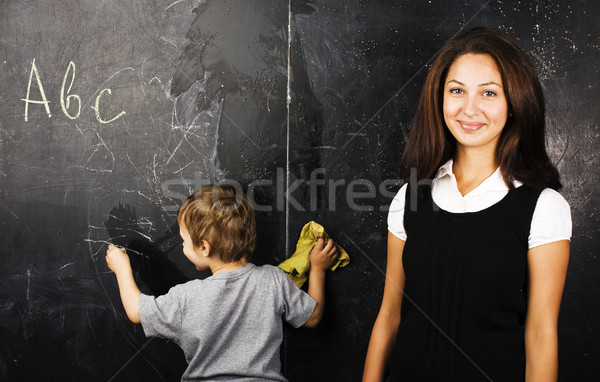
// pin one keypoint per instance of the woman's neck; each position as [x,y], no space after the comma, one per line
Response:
[471,168]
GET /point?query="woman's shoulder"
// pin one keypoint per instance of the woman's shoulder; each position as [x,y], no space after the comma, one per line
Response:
[397,205]
[551,219]
[550,198]
[395,218]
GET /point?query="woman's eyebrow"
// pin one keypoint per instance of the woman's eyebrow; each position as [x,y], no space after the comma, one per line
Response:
[483,84]
[458,82]
[490,83]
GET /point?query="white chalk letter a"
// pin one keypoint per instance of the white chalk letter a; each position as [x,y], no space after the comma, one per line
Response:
[44,101]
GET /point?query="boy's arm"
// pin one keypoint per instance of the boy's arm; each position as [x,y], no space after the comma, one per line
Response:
[118,262]
[322,258]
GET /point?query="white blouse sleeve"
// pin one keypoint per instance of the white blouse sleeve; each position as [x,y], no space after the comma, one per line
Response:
[551,219]
[396,214]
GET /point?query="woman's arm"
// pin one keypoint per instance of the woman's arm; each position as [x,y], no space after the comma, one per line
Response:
[383,336]
[547,272]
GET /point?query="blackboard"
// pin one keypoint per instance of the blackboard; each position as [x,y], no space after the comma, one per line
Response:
[111,112]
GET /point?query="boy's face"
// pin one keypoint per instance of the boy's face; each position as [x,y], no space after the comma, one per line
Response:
[192,253]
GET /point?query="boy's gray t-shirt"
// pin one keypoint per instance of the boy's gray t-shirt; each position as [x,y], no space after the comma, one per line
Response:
[229,324]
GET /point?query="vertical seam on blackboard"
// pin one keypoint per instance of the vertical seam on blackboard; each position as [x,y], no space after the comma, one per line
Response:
[287,162]
[287,138]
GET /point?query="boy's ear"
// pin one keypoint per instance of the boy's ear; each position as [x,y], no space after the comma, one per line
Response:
[203,249]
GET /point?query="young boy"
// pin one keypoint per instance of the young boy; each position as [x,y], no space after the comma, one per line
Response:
[229,325]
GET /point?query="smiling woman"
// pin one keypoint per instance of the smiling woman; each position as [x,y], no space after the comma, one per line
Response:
[475,108]
[475,111]
[475,271]
[521,151]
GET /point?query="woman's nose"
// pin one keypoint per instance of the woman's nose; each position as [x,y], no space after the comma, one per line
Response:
[471,107]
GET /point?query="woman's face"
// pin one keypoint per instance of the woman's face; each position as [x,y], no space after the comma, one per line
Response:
[475,107]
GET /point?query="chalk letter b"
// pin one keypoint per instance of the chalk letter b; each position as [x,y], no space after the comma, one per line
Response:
[65,105]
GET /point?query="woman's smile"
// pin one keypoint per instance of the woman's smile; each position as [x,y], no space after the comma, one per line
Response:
[471,126]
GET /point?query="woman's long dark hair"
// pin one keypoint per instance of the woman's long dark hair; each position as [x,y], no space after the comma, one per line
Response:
[521,150]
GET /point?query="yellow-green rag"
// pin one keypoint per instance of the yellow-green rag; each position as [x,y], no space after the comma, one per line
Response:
[298,265]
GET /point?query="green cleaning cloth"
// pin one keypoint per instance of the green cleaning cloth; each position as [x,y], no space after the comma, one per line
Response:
[298,265]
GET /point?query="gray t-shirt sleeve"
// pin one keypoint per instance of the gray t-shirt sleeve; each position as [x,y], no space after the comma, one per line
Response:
[298,306]
[161,316]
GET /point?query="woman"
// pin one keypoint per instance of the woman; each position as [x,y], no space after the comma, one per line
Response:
[477,256]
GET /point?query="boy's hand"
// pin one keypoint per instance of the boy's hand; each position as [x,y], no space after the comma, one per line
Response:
[117,259]
[118,262]
[323,256]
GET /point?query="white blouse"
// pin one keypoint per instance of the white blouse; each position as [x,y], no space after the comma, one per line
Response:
[551,219]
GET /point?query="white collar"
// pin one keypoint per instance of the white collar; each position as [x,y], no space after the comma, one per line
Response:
[494,182]
[446,169]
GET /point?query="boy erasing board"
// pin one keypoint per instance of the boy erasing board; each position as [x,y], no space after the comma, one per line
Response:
[229,325]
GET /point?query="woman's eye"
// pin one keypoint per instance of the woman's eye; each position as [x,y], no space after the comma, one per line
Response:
[489,93]
[456,91]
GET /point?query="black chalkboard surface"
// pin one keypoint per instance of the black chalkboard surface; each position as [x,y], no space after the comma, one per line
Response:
[112,112]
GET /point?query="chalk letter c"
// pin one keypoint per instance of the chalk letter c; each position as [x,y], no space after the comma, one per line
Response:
[97,109]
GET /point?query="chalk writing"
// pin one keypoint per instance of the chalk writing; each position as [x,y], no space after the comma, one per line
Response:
[97,109]
[44,101]
[65,103]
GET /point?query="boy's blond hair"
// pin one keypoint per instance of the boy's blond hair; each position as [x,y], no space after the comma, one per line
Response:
[222,217]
